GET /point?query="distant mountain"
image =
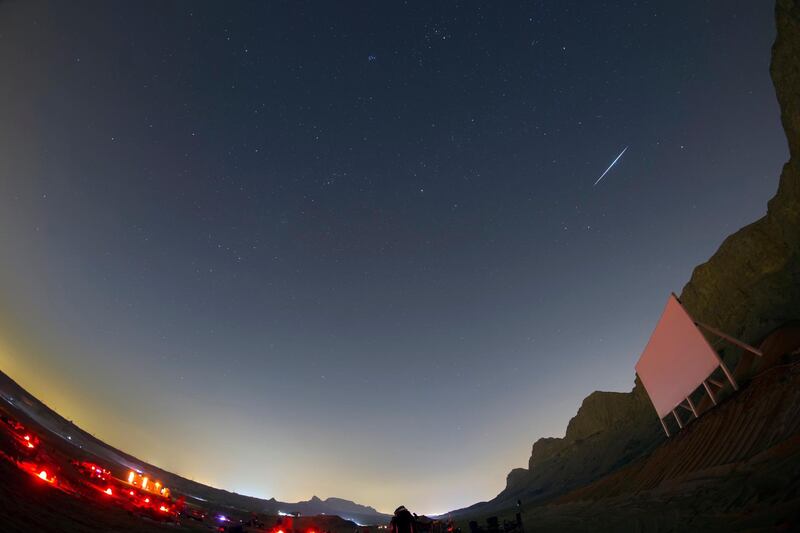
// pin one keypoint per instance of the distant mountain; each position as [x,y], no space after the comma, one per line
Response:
[749,287]
[26,403]
[361,514]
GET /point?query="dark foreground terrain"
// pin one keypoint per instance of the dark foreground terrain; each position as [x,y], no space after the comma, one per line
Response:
[736,468]
[28,505]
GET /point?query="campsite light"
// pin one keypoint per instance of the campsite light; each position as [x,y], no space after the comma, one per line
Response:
[30,445]
[43,475]
[162,508]
[130,477]
[108,491]
[131,493]
[144,483]
[147,500]
[27,437]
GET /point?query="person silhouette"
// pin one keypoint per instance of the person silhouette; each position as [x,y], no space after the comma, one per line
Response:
[402,521]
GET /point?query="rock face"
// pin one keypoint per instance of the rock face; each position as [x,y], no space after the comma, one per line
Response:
[735,469]
[610,430]
[750,286]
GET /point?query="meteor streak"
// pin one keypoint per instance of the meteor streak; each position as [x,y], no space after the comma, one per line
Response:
[610,166]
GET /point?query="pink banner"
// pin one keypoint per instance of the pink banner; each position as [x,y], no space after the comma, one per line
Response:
[676,360]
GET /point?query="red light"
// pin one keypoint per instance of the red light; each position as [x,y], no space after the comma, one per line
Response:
[43,475]
[108,491]
[27,437]
[162,508]
[30,445]
[131,493]
[147,500]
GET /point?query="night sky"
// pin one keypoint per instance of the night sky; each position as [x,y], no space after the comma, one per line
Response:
[354,249]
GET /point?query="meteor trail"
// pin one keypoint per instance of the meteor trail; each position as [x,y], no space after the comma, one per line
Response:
[610,166]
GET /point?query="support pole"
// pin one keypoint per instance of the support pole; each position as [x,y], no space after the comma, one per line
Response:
[728,375]
[663,425]
[680,424]
[735,342]
[710,393]
[691,404]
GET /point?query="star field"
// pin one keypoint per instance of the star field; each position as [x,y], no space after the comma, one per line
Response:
[362,238]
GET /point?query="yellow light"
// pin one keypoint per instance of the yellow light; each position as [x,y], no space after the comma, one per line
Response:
[130,477]
[144,483]
[108,491]
[43,475]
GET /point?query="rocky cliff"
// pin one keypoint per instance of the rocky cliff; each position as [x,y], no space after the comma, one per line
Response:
[610,430]
[750,286]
